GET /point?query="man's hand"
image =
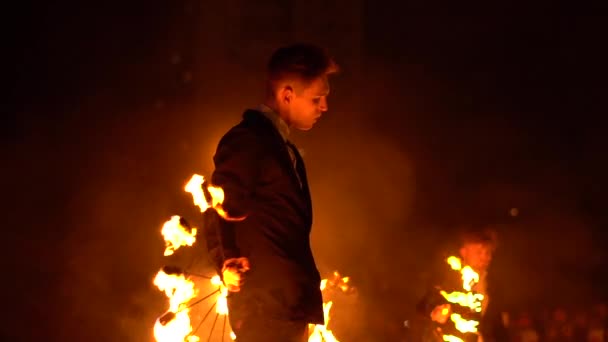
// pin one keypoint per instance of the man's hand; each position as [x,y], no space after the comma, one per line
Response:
[441,313]
[233,273]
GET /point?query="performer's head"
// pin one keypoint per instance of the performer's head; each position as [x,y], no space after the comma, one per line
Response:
[477,246]
[298,83]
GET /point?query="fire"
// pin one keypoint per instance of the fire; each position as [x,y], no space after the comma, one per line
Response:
[195,187]
[177,233]
[222,300]
[468,299]
[175,324]
[216,194]
[321,332]
[464,325]
[451,338]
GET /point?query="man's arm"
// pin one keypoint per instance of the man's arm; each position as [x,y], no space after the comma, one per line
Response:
[237,168]
[236,171]
[431,300]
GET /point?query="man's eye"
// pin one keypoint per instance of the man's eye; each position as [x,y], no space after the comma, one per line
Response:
[316,99]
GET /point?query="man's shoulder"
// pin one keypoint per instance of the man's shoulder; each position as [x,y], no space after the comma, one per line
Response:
[252,129]
[252,121]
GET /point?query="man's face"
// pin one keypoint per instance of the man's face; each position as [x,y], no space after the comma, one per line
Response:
[477,255]
[308,103]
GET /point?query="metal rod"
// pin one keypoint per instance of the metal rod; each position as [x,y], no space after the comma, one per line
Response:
[213,327]
[202,320]
[202,299]
[198,275]
[224,329]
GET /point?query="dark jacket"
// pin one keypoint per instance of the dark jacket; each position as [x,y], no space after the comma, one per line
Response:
[490,327]
[254,168]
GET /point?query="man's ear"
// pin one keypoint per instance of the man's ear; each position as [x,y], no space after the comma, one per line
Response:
[286,94]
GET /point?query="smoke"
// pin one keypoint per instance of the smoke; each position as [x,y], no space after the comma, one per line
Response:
[406,150]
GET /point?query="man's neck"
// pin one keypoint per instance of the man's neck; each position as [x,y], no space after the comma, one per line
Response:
[271,103]
[279,123]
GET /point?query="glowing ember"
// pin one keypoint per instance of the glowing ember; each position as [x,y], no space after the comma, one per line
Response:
[177,233]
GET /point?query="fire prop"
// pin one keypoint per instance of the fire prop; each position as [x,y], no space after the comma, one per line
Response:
[466,306]
[177,284]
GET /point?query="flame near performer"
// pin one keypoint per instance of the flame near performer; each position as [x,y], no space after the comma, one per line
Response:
[175,325]
[469,302]
[322,332]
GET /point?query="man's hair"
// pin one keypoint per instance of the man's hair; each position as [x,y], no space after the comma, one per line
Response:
[478,234]
[304,62]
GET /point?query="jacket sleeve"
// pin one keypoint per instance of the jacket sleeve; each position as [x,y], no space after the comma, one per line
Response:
[431,299]
[236,172]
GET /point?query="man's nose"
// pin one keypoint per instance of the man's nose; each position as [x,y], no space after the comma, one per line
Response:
[323,104]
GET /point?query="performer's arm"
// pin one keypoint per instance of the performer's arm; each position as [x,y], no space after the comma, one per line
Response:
[236,170]
[433,305]
[429,302]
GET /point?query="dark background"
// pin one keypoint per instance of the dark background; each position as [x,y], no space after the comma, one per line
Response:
[442,115]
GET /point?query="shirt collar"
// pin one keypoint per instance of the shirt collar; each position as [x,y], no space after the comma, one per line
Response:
[276,120]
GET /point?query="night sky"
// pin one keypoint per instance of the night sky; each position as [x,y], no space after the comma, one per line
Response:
[441,116]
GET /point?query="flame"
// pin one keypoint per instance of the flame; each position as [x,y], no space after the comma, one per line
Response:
[222,300]
[177,235]
[452,338]
[468,299]
[179,290]
[174,325]
[464,325]
[455,263]
[195,187]
[469,278]
[320,332]
[176,330]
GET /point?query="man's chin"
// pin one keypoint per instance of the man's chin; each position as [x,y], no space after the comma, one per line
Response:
[304,127]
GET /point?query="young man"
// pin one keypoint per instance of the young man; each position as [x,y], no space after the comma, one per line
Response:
[476,251]
[264,258]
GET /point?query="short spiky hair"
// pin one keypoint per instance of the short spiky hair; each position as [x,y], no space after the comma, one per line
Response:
[305,62]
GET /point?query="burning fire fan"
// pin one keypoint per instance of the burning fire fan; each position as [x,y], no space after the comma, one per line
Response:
[179,286]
